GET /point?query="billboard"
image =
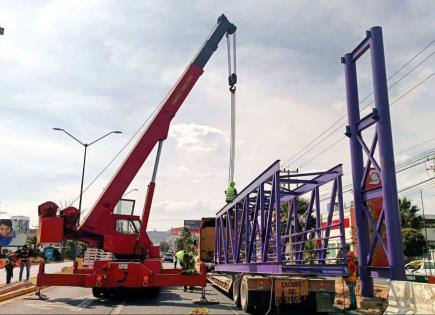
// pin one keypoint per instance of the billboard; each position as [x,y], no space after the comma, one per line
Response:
[13,231]
[192,224]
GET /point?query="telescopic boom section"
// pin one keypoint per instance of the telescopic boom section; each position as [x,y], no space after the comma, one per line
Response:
[156,131]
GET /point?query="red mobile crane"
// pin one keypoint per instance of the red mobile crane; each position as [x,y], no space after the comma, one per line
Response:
[137,263]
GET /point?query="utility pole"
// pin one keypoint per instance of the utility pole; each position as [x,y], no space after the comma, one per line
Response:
[424,223]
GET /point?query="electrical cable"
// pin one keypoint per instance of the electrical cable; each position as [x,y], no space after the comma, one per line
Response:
[391,104]
[291,159]
[415,185]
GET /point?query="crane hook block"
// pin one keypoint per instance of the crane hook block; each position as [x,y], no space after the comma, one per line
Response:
[232,79]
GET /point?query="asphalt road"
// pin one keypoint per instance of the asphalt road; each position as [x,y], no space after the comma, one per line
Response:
[73,300]
[49,268]
[66,300]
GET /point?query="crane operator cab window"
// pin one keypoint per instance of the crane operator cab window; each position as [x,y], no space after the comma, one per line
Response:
[127,226]
[124,206]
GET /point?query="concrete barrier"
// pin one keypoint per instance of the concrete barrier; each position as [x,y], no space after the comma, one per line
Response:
[407,297]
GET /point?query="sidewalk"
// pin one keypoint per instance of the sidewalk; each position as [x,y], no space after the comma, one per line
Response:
[49,268]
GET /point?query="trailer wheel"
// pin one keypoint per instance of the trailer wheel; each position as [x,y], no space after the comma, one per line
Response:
[247,298]
[236,290]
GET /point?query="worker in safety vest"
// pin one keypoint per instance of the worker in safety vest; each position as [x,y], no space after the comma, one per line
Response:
[352,278]
[187,264]
[231,192]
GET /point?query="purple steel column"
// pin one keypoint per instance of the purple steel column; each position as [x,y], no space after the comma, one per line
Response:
[341,216]
[386,152]
[278,245]
[318,222]
[357,173]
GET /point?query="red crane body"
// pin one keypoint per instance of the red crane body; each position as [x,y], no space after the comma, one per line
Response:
[140,265]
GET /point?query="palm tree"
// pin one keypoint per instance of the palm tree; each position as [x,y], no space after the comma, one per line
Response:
[408,215]
[414,243]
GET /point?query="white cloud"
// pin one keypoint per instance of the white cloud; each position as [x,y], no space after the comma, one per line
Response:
[196,138]
[95,66]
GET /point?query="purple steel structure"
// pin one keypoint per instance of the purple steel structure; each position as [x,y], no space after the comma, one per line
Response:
[382,139]
[262,231]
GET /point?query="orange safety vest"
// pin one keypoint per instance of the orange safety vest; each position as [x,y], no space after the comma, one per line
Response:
[352,267]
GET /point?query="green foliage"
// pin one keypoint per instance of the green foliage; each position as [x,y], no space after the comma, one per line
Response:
[164,246]
[186,241]
[32,242]
[302,208]
[82,249]
[414,243]
[408,215]
[68,249]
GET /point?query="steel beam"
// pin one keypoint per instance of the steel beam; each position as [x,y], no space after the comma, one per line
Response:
[380,119]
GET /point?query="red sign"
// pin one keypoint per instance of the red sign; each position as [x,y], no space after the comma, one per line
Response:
[176,231]
[375,209]
[336,222]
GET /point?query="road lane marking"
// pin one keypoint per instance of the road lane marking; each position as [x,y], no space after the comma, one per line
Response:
[48,305]
[118,308]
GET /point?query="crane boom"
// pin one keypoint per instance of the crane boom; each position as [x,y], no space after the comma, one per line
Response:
[100,224]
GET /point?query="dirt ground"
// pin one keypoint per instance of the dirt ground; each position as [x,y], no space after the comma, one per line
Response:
[342,297]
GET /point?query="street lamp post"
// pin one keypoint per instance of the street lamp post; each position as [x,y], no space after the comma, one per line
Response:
[85,145]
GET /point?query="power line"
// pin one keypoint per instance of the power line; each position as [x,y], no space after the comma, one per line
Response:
[415,146]
[292,159]
[349,187]
[415,185]
[391,104]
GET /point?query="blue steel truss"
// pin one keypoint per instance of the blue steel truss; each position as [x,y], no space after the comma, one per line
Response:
[263,232]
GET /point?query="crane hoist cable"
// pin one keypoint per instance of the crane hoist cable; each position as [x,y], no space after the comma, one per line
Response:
[231,192]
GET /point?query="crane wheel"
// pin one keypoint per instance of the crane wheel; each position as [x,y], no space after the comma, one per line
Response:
[98,292]
[236,290]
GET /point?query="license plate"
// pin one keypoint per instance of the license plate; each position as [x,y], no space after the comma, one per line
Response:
[123,266]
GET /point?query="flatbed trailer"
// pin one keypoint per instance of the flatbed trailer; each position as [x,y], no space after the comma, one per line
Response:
[262,268]
[253,292]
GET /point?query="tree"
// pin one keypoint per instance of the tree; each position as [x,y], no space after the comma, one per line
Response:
[164,246]
[82,249]
[302,208]
[186,241]
[32,242]
[408,215]
[68,249]
[414,243]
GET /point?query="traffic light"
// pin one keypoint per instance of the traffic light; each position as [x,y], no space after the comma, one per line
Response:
[2,30]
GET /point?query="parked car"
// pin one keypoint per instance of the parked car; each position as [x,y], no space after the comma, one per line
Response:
[168,258]
[419,270]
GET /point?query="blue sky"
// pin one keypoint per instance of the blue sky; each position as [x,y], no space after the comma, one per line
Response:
[95,66]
